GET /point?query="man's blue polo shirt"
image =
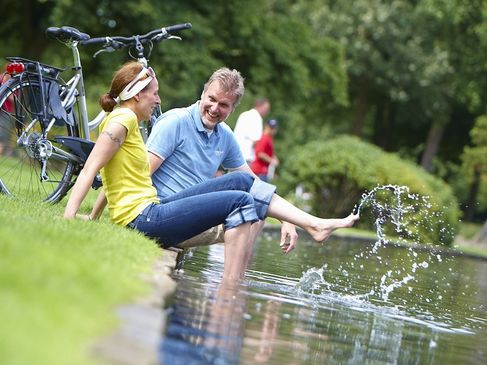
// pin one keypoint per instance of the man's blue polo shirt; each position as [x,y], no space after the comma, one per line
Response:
[191,155]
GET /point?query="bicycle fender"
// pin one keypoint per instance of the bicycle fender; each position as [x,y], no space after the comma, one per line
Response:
[56,107]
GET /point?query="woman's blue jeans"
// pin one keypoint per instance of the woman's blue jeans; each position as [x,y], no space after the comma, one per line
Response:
[232,199]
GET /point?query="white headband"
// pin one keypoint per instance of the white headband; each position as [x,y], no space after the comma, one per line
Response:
[134,86]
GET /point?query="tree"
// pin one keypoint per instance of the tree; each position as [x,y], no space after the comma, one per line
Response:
[455,25]
[474,165]
[22,27]
[410,66]
[279,56]
[403,74]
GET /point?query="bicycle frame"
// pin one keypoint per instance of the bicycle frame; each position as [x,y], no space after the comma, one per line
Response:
[76,83]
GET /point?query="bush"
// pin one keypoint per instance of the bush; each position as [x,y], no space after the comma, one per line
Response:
[337,172]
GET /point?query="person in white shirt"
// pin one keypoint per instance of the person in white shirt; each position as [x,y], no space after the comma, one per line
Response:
[248,128]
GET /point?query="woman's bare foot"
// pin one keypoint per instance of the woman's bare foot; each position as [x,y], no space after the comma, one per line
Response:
[324,227]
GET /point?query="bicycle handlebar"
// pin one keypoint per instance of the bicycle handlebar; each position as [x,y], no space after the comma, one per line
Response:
[178,27]
[70,35]
[154,35]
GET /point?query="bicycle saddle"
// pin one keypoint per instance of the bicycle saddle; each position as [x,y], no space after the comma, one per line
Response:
[66,34]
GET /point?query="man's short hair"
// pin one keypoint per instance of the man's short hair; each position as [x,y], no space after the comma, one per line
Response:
[231,81]
[261,101]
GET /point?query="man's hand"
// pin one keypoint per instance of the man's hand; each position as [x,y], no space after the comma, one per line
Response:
[289,237]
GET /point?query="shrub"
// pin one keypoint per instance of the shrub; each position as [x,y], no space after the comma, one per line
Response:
[337,172]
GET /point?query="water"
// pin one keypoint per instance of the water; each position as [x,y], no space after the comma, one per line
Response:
[346,302]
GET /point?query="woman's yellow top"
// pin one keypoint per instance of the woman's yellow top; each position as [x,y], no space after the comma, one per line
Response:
[128,186]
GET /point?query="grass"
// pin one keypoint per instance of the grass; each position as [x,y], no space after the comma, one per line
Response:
[60,281]
[466,240]
[473,250]
[469,230]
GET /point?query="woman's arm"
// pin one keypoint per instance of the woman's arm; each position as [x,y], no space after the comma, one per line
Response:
[106,146]
[100,204]
[154,162]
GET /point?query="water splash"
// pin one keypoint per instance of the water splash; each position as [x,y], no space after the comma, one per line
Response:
[392,209]
[386,289]
[389,209]
[311,280]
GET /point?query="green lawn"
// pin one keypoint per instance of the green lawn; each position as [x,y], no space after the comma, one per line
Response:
[60,281]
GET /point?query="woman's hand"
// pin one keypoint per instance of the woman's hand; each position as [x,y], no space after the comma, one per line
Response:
[84,217]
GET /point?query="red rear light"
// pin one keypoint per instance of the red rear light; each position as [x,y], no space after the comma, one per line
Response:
[15,68]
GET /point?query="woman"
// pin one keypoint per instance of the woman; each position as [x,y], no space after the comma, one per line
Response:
[121,157]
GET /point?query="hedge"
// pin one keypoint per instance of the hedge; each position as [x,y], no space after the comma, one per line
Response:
[339,171]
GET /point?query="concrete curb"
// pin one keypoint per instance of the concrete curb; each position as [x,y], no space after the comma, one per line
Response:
[136,340]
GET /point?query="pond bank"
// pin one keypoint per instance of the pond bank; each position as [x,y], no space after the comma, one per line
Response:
[142,322]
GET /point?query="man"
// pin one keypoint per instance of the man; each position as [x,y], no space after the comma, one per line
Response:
[188,145]
[248,129]
[265,159]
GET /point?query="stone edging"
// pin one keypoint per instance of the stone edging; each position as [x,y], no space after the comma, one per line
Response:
[136,340]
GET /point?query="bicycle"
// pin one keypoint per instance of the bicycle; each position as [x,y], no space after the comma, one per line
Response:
[44,124]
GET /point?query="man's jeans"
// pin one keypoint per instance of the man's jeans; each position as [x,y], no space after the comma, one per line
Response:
[232,199]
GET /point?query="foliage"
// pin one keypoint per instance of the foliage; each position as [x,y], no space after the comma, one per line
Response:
[411,66]
[279,56]
[475,157]
[474,166]
[388,71]
[60,281]
[338,171]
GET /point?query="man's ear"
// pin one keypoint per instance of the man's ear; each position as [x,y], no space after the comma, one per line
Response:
[137,97]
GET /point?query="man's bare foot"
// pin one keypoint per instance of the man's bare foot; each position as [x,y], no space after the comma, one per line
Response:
[325,227]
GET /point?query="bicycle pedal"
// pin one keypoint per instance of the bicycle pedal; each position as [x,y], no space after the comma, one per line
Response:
[97,182]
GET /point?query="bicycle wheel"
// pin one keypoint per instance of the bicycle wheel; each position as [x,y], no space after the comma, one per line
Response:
[24,150]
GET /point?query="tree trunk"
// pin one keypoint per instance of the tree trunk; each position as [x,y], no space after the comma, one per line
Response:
[432,145]
[33,14]
[361,109]
[383,125]
[482,234]
[469,210]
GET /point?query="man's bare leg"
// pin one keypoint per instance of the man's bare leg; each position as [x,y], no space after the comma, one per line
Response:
[236,247]
[319,228]
[216,235]
[255,230]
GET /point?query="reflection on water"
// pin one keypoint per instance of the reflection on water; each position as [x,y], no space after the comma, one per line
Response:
[326,305]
